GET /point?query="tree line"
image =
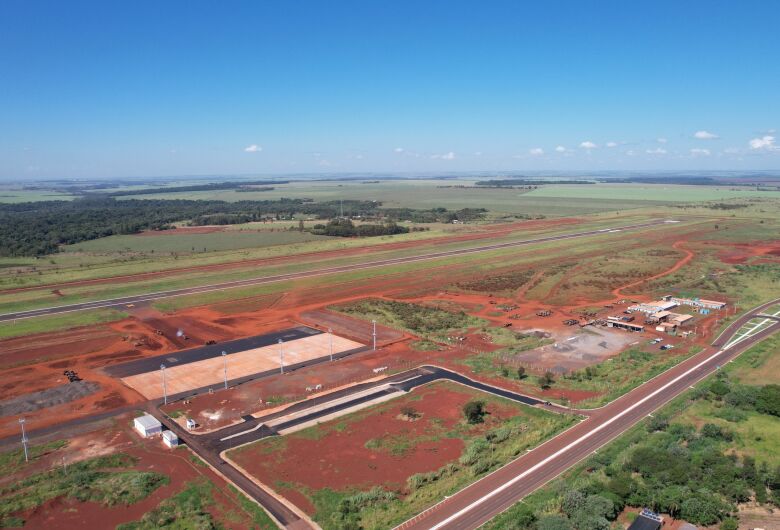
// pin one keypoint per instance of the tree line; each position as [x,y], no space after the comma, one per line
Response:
[40,228]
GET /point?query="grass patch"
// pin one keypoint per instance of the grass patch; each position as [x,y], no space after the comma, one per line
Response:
[105,480]
[186,509]
[260,519]
[427,322]
[29,326]
[13,461]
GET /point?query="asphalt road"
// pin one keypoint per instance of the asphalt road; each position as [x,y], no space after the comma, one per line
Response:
[137,299]
[150,364]
[252,428]
[481,501]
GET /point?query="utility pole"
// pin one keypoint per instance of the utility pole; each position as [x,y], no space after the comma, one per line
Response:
[373,333]
[330,338]
[24,440]
[281,356]
[224,358]
[165,388]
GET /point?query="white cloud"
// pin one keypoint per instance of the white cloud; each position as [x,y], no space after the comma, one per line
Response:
[254,148]
[765,143]
[612,144]
[732,151]
[445,156]
[705,135]
[656,151]
[587,144]
[631,152]
[536,151]
[662,140]
[560,149]
[700,152]
[478,153]
[398,150]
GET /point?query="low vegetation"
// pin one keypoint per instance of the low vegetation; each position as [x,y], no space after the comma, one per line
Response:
[427,322]
[186,509]
[698,460]
[105,480]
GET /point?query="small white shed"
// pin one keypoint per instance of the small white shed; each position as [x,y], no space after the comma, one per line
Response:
[147,425]
[170,439]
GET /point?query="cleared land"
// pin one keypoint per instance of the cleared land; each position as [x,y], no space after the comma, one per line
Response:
[384,464]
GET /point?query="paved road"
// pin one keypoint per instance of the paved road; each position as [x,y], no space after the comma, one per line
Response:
[478,503]
[137,299]
[253,429]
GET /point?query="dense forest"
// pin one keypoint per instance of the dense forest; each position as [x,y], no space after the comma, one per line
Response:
[39,228]
[346,228]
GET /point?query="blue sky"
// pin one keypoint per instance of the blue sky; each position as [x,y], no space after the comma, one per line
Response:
[104,89]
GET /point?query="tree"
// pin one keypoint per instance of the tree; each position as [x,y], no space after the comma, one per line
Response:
[474,412]
[703,508]
[301,226]
[521,372]
[546,380]
[410,412]
[768,400]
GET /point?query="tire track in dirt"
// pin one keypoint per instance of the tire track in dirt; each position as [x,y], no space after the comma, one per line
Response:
[677,245]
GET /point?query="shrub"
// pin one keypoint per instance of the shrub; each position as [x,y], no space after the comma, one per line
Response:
[474,411]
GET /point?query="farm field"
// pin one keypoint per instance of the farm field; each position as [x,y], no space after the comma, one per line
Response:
[15,196]
[423,194]
[392,460]
[649,192]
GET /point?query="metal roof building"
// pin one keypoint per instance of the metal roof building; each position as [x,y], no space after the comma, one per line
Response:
[147,425]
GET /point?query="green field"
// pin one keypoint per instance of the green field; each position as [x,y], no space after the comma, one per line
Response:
[647,192]
[185,243]
[16,196]
[424,194]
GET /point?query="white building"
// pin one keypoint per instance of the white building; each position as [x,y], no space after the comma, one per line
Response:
[170,439]
[147,425]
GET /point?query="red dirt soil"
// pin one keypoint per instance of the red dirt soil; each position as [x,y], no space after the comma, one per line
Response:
[341,460]
[89,349]
[67,514]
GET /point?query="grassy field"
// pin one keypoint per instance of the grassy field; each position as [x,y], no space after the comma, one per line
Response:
[426,322]
[648,192]
[14,196]
[425,194]
[185,243]
[44,298]
[28,326]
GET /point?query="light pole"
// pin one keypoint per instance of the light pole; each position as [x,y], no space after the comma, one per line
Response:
[281,356]
[373,333]
[224,358]
[330,337]
[24,440]
[165,388]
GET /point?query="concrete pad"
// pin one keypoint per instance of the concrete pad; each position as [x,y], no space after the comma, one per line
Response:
[210,372]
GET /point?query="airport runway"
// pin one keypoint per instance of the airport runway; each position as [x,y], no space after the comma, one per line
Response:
[481,501]
[119,303]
